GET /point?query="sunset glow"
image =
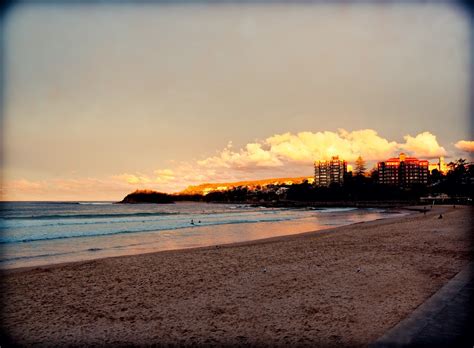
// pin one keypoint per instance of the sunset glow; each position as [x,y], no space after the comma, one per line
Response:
[103,100]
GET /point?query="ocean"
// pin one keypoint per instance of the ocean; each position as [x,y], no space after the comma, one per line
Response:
[42,233]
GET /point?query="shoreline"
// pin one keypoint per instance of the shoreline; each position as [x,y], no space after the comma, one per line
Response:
[334,287]
[393,210]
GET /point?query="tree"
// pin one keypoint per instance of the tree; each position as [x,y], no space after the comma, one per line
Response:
[458,170]
[436,176]
[459,181]
[360,166]
[374,175]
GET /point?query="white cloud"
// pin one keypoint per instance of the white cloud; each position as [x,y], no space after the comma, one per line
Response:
[423,145]
[465,145]
[253,155]
[308,146]
[161,176]
[280,155]
[281,149]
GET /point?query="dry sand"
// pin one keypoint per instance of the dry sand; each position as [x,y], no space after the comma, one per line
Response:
[340,287]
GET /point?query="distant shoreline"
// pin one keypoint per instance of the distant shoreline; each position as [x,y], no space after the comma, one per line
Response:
[341,204]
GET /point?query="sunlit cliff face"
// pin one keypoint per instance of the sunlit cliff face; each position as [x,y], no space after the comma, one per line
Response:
[205,189]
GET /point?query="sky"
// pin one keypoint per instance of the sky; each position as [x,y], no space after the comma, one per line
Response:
[103,99]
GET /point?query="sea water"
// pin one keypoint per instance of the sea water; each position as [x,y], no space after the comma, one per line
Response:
[41,233]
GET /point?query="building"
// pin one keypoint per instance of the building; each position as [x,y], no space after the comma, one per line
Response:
[403,171]
[441,166]
[330,171]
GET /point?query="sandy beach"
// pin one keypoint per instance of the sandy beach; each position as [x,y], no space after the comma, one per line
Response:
[339,287]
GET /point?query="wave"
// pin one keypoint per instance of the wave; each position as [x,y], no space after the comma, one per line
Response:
[34,256]
[85,216]
[119,218]
[9,259]
[127,231]
[336,210]
[72,223]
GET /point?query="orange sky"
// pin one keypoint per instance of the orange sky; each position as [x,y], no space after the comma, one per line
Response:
[103,99]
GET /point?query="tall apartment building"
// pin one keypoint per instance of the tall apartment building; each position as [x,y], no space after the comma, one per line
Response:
[403,171]
[330,171]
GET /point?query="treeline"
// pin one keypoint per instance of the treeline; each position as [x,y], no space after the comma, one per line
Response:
[358,186]
[243,194]
[147,196]
[458,181]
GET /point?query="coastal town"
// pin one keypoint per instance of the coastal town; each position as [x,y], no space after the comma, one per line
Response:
[402,178]
[401,171]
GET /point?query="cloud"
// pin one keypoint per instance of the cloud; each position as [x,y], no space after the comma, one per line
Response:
[133,179]
[423,145]
[292,154]
[284,149]
[280,155]
[253,155]
[307,146]
[23,184]
[164,174]
[63,189]
[465,145]
[161,176]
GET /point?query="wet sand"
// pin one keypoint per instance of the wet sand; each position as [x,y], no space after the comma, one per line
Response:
[340,287]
